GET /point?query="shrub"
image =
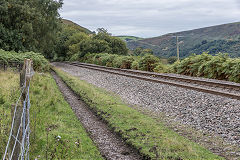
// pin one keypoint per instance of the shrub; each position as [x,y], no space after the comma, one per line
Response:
[39,62]
[124,62]
[107,60]
[213,68]
[88,58]
[217,67]
[135,65]
[234,71]
[160,68]
[172,59]
[148,62]
[102,58]
[75,57]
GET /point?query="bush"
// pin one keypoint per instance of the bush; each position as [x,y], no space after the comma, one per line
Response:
[107,59]
[148,62]
[234,71]
[88,58]
[135,65]
[160,68]
[39,62]
[101,59]
[190,65]
[124,62]
[213,68]
[75,57]
[216,67]
[172,59]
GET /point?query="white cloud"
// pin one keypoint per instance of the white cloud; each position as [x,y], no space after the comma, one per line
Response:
[148,18]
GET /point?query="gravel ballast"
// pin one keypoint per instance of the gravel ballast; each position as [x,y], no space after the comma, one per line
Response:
[111,146]
[203,111]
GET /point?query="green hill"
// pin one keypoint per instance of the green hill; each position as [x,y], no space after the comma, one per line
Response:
[129,38]
[221,38]
[76,26]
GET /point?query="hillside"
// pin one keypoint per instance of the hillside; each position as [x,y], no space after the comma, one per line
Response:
[221,38]
[76,26]
[129,38]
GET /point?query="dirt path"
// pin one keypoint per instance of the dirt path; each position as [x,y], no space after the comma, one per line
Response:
[110,145]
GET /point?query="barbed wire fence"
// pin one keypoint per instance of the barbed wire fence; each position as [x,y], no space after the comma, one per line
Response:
[19,137]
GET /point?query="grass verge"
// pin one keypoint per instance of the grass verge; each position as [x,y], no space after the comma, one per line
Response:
[151,138]
[9,90]
[56,131]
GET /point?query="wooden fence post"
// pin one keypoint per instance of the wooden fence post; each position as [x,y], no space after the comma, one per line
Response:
[25,76]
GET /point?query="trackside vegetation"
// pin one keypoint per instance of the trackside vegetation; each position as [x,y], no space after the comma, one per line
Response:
[40,63]
[151,138]
[56,133]
[148,62]
[220,66]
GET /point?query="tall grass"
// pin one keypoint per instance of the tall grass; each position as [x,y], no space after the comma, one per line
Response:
[9,92]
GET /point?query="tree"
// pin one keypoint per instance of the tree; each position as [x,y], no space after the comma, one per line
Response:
[29,25]
[62,37]
[137,51]
[116,45]
[146,51]
[141,52]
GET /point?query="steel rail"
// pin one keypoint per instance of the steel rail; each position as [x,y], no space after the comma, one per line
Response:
[152,77]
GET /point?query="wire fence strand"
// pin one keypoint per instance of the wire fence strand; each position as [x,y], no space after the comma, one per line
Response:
[24,128]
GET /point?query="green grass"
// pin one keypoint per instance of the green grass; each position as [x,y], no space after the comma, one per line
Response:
[51,116]
[9,90]
[151,138]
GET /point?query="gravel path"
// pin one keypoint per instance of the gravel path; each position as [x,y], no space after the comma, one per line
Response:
[215,114]
[110,145]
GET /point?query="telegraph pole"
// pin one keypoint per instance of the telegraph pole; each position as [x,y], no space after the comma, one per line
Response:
[177,49]
[177,43]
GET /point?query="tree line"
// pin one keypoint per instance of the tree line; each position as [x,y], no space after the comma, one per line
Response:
[29,25]
[35,25]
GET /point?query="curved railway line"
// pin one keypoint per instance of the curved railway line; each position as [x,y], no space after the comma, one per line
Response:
[222,88]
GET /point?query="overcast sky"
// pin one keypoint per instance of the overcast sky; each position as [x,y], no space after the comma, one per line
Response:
[150,18]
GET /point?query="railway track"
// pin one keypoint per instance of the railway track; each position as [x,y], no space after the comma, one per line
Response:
[222,88]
